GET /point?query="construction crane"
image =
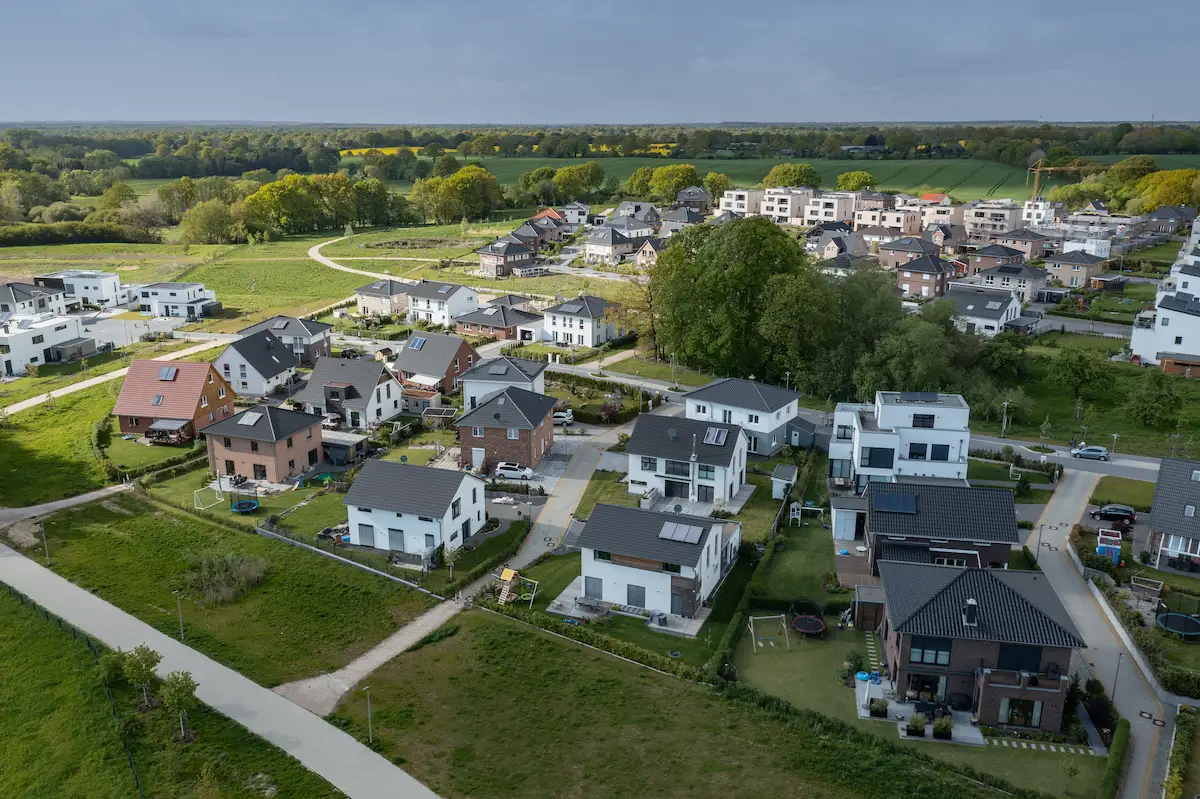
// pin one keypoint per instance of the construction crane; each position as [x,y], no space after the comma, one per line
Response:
[1037,169]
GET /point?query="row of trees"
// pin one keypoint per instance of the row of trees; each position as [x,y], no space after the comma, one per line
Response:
[137,669]
[1134,185]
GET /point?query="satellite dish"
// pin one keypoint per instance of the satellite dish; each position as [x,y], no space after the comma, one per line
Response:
[678,508]
[404,459]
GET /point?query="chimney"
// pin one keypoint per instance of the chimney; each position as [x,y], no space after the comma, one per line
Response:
[970,613]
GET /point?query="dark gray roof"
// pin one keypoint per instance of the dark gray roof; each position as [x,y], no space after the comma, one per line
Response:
[272,424]
[656,243]
[432,290]
[685,214]
[1181,302]
[1074,257]
[280,326]
[721,217]
[400,488]
[589,306]
[508,299]
[984,303]
[361,375]
[819,229]
[998,251]
[672,437]
[741,393]
[1178,486]
[693,193]
[1180,212]
[24,292]
[945,512]
[265,354]
[846,262]
[847,243]
[784,472]
[626,224]
[877,230]
[901,552]
[510,407]
[634,533]
[515,369]
[1015,607]
[607,237]
[498,316]
[926,263]
[383,288]
[1017,270]
[911,244]
[434,357]
[502,247]
[1022,234]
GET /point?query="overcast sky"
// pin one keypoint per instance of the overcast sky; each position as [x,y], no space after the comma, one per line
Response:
[475,61]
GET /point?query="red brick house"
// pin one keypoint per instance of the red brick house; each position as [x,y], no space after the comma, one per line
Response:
[990,257]
[512,425]
[1027,241]
[500,321]
[894,253]
[924,277]
[172,400]
[433,362]
[264,443]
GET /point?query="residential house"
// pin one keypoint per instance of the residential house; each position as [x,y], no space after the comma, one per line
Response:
[88,287]
[433,362]
[512,301]
[500,321]
[382,298]
[689,459]
[742,202]
[905,434]
[991,256]
[1095,207]
[576,215]
[763,411]
[949,239]
[438,303]
[941,215]
[677,219]
[1174,525]
[1039,212]
[41,339]
[1169,335]
[984,219]
[903,221]
[553,229]
[997,643]
[500,257]
[23,299]
[513,425]
[607,245]
[926,276]
[1075,269]
[894,253]
[585,321]
[846,265]
[1030,242]
[832,244]
[264,443]
[876,236]
[643,212]
[171,400]
[785,205]
[647,254]
[257,364]
[634,227]
[722,217]
[980,311]
[936,200]
[1100,246]
[410,511]
[830,206]
[695,197]
[670,563]
[530,235]
[308,339]
[361,393]
[1170,218]
[1022,279]
[189,300]
[869,198]
[818,231]
[493,374]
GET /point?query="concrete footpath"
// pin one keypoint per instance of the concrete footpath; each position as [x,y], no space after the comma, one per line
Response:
[348,765]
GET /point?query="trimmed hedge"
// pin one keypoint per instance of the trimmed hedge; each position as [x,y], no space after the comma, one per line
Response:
[101,434]
[1078,315]
[1181,750]
[73,233]
[1116,762]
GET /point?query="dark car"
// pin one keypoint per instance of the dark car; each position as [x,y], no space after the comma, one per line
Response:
[1115,513]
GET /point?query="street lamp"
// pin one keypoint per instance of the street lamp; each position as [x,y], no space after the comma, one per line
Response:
[179,608]
[787,378]
[370,728]
[1113,454]
[1004,419]
[1117,673]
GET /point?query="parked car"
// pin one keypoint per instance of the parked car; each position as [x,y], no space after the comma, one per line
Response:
[564,418]
[1115,513]
[1093,452]
[513,471]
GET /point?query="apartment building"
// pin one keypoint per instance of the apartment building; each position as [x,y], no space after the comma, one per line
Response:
[785,204]
[40,339]
[831,206]
[743,202]
[941,215]
[987,218]
[88,287]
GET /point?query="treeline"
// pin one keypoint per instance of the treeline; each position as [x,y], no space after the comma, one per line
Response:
[1133,186]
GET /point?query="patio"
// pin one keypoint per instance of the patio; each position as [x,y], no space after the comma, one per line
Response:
[574,605]
[695,508]
[898,713]
[853,568]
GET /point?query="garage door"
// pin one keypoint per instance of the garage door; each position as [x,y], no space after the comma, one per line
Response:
[674,488]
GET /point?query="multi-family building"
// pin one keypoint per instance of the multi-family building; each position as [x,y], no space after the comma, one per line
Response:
[986,218]
[438,303]
[941,215]
[831,206]
[88,287]
[190,300]
[784,205]
[1040,212]
[743,202]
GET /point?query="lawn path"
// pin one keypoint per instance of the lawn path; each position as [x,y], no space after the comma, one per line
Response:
[9,516]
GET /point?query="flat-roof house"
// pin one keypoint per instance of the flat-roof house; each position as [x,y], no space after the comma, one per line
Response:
[576,214]
[671,563]
[689,459]
[382,298]
[585,321]
[512,425]
[264,443]
[189,300]
[308,339]
[500,321]
[763,411]
[433,362]
[361,392]
[257,364]
[438,303]
[494,374]
[88,287]
[171,401]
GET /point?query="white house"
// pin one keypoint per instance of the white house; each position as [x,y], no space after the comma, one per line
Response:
[382,298]
[763,411]
[743,202]
[986,218]
[981,311]
[40,338]
[88,287]
[575,214]
[1099,246]
[362,392]
[22,299]
[413,509]
[657,561]
[1171,331]
[308,339]
[438,303]
[581,322]
[607,245]
[784,205]
[496,374]
[905,433]
[691,460]
[189,300]
[830,206]
[257,364]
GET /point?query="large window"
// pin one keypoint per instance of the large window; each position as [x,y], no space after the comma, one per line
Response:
[917,452]
[877,457]
[929,651]
[679,468]
[923,420]
[599,554]
[707,472]
[845,432]
[1020,658]
[840,468]
[939,452]
[650,464]
[1020,712]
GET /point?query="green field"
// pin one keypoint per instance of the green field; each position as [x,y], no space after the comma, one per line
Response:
[643,366]
[60,740]
[445,241]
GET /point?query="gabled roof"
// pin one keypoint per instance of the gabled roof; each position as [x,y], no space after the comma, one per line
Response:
[433,357]
[911,244]
[942,511]
[934,197]
[846,243]
[949,231]
[514,370]
[579,206]
[511,407]
[432,290]
[383,288]
[817,230]
[178,384]
[722,217]
[979,302]
[498,316]
[1021,270]
[1074,257]
[693,193]
[265,354]
[606,236]
[635,533]
[998,251]
[508,299]
[503,248]
[926,263]
[748,394]
[280,326]
[358,376]
[588,306]
[677,438]
[685,214]
[268,423]
[878,230]
[1022,234]
[24,292]
[1177,487]
[655,244]
[400,488]
[627,224]
[845,262]
[1181,213]
[1014,607]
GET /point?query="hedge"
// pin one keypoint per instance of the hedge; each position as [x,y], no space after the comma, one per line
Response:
[1078,315]
[73,233]
[1116,762]
[1176,679]
[471,575]
[1181,750]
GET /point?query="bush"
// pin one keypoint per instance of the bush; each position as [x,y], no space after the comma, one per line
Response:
[72,233]
[944,724]
[878,708]
[916,724]
[1116,762]
[223,577]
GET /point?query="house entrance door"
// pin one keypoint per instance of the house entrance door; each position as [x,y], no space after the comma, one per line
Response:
[676,604]
[478,455]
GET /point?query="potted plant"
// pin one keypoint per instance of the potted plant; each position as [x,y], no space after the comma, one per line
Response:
[943,728]
[916,725]
[878,708]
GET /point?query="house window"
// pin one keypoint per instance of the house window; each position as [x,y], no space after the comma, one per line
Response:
[158,400]
[1189,511]
[673,568]
[220,392]
[228,443]
[877,457]
[701,409]
[38,339]
[679,469]
[752,418]
[930,651]
[1179,339]
[917,452]
[939,452]
[254,446]
[366,510]
[1020,712]
[839,468]
[598,554]
[289,443]
[950,562]
[514,434]
[1165,321]
[707,472]
[1015,657]
[845,432]
[455,508]
[924,420]
[650,464]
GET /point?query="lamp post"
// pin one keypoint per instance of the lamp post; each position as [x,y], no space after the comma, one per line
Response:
[45,546]
[370,728]
[1004,419]
[1038,555]
[179,609]
[1113,454]
[787,379]
[1117,673]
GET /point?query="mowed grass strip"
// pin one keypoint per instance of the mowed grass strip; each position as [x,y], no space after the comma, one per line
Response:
[311,615]
[60,739]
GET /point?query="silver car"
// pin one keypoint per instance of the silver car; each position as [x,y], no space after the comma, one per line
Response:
[1093,452]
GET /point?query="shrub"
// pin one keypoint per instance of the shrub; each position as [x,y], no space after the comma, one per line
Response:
[878,707]
[226,577]
[943,724]
[72,233]
[1181,750]
[916,724]
[1116,762]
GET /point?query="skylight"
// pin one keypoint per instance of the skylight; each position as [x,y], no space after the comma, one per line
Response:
[445,289]
[168,373]
[416,343]
[158,400]
[715,435]
[250,417]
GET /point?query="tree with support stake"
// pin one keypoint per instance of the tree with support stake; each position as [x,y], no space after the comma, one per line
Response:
[179,695]
[138,668]
[450,557]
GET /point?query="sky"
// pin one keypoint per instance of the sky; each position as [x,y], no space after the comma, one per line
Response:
[606,61]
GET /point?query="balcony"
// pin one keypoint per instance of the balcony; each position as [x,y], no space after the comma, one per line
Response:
[1022,680]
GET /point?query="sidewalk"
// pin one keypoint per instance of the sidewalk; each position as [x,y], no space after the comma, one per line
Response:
[348,765]
[13,515]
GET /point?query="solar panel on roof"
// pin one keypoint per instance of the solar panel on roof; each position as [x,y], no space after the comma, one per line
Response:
[445,289]
[250,417]
[993,306]
[929,396]
[571,307]
[498,369]
[668,531]
[168,372]
[416,343]
[693,534]
[280,324]
[908,396]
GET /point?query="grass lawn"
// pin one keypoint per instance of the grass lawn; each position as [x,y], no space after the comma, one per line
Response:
[604,489]
[54,377]
[807,556]
[1160,254]
[437,580]
[324,510]
[594,399]
[553,575]
[429,241]
[983,470]
[419,450]
[805,676]
[605,728]
[1052,343]
[60,741]
[547,285]
[310,616]
[641,366]
[758,514]
[131,455]
[180,491]
[1123,491]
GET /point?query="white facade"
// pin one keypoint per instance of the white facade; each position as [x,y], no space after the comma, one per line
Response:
[906,221]
[1168,328]
[990,325]
[1038,212]
[419,535]
[44,301]
[575,214]
[987,218]
[784,205]
[1099,247]
[28,339]
[743,202]
[174,299]
[475,392]
[765,432]
[830,206]
[244,379]
[385,402]
[900,435]
[91,287]
[442,311]
[578,331]
[646,472]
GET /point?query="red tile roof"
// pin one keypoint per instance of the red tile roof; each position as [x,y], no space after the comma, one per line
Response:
[180,396]
[934,197]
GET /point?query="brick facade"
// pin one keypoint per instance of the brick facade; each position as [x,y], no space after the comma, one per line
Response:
[277,460]
[472,329]
[210,407]
[528,449]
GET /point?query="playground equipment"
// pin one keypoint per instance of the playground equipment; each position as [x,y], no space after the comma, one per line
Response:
[762,640]
[514,587]
[1108,545]
[1145,588]
[808,625]
[1181,624]
[200,496]
[243,498]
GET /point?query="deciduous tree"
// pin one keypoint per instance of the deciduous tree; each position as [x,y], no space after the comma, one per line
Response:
[793,175]
[667,181]
[717,184]
[1075,369]
[179,695]
[1154,400]
[855,181]
[138,668]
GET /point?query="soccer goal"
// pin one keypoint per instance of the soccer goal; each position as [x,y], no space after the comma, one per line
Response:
[201,496]
[764,630]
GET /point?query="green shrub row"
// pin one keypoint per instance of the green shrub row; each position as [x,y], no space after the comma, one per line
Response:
[101,433]
[72,233]
[567,356]
[1181,751]
[1099,499]
[469,576]
[1176,679]
[1116,762]
[1078,315]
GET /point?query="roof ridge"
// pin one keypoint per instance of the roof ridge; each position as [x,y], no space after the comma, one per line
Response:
[932,597]
[1033,606]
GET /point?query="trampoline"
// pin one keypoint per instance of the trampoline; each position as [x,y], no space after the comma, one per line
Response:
[1180,623]
[808,625]
[244,506]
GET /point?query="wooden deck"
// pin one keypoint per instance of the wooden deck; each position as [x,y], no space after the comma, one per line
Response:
[853,569]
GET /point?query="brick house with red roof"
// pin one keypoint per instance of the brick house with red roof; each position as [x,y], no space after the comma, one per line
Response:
[172,400]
